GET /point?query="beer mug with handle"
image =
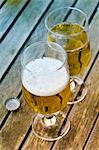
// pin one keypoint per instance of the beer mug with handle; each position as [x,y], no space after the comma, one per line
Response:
[46,88]
[68,27]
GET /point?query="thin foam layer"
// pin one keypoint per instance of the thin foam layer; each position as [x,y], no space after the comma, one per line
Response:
[41,77]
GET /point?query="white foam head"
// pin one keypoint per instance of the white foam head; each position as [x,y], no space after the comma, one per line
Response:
[41,78]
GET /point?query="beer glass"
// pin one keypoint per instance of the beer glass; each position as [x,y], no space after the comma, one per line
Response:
[68,27]
[46,88]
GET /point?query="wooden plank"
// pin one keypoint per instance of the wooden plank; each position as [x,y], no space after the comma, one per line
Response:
[30,143]
[82,115]
[1,3]
[36,144]
[7,14]
[86,6]
[93,142]
[94,33]
[93,28]
[37,7]
[11,135]
[22,116]
[14,77]
[20,31]
[95,46]
[10,87]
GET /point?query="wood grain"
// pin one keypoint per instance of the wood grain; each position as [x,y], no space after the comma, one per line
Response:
[93,142]
[82,115]
[13,132]
[8,13]
[13,46]
[14,75]
[86,5]
[30,141]
[20,31]
[34,143]
[11,85]
[16,78]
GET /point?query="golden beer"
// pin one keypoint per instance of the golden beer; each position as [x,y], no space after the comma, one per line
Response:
[45,91]
[47,104]
[75,41]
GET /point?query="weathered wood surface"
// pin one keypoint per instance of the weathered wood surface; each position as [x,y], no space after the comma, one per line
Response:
[31,137]
[2,3]
[82,116]
[15,128]
[93,142]
[20,31]
[11,53]
[29,144]
[13,44]
[8,13]
[13,75]
[21,120]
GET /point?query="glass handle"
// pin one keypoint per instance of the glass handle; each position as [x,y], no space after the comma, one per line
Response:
[74,83]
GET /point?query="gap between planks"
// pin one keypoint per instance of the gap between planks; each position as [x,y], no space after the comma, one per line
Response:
[7,115]
[1,5]
[91,130]
[93,142]
[19,95]
[95,59]
[34,28]
[29,130]
[14,21]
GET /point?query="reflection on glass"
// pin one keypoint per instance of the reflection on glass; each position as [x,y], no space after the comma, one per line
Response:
[46,88]
[70,31]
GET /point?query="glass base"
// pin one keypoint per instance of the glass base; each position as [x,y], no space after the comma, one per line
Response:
[50,128]
[78,87]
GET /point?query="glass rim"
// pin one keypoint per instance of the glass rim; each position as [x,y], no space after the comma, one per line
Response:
[71,35]
[44,42]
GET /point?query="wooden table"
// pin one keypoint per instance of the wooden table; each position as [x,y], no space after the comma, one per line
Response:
[22,23]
